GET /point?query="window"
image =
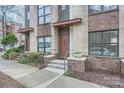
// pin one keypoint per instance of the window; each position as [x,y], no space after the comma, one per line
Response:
[63,7]
[44,44]
[44,14]
[48,18]
[110,7]
[63,12]
[27,16]
[41,12]
[94,9]
[47,10]
[103,43]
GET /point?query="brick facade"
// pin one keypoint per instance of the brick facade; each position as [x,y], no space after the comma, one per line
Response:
[103,63]
[44,30]
[103,21]
[108,64]
[78,32]
[76,65]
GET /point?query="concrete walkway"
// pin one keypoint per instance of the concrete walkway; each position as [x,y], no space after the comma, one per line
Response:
[28,75]
[35,78]
[15,70]
[69,82]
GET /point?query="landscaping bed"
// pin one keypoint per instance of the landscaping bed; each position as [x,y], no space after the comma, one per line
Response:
[112,80]
[12,53]
[33,59]
[7,82]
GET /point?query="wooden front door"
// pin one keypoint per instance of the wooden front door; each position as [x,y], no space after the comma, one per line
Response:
[64,43]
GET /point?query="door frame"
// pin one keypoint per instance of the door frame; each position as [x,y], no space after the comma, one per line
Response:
[59,46]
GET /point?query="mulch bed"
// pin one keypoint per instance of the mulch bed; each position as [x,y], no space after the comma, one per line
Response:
[112,80]
[7,82]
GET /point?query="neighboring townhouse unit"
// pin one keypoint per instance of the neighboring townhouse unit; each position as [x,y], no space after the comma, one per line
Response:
[62,29]
[12,27]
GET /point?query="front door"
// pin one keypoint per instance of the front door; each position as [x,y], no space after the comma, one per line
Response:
[64,42]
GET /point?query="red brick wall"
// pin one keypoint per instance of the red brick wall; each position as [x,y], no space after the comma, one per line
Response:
[103,63]
[104,21]
[44,30]
[122,67]
[76,66]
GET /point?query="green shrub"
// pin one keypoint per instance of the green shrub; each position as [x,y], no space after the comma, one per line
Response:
[7,52]
[4,56]
[17,50]
[13,56]
[9,39]
[33,57]
[21,48]
[23,60]
[67,73]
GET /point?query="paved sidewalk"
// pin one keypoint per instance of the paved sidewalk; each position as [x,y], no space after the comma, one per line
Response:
[28,75]
[14,69]
[38,78]
[69,82]
[35,78]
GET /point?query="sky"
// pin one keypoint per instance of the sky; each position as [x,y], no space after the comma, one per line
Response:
[15,17]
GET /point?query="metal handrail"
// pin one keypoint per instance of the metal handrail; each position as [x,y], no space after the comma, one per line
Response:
[65,58]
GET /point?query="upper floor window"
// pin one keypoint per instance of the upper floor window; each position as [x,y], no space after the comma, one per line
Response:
[27,15]
[63,7]
[44,14]
[94,9]
[110,7]
[63,12]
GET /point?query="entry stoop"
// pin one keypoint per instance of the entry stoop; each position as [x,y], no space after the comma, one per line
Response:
[57,66]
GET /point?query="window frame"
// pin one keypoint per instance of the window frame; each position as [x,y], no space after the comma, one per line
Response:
[27,16]
[102,10]
[44,14]
[44,45]
[62,12]
[103,44]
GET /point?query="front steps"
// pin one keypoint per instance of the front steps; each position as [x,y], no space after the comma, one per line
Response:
[57,66]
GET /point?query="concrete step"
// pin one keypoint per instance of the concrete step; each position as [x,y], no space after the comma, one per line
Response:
[17,58]
[61,62]
[58,61]
[54,70]
[56,66]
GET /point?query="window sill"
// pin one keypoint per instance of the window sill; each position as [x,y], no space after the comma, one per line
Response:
[43,24]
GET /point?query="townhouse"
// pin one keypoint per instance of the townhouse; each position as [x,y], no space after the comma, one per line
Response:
[62,29]
[12,27]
